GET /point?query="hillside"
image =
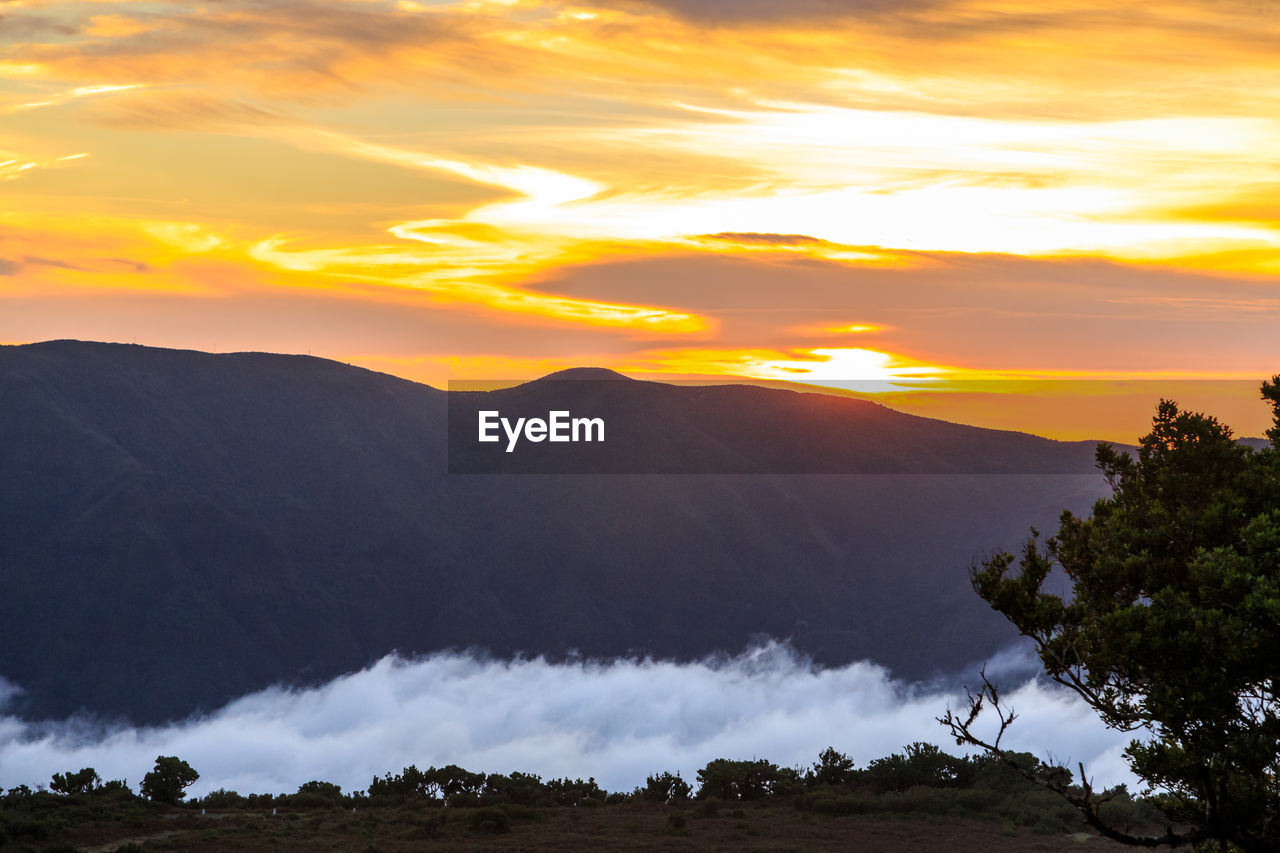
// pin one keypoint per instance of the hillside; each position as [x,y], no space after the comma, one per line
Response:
[181,528]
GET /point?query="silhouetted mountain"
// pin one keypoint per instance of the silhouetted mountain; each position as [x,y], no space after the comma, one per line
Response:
[658,428]
[181,528]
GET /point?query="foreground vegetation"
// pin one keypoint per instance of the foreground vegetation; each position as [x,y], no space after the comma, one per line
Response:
[1171,628]
[908,800]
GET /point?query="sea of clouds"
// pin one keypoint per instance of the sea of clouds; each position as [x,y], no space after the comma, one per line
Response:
[618,721]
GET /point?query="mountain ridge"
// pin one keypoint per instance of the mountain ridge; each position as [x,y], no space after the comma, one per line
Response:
[181,528]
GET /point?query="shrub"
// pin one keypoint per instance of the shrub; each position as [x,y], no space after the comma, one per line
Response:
[665,788]
[223,799]
[75,783]
[491,820]
[566,792]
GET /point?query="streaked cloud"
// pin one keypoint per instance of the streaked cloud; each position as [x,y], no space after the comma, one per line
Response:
[959,186]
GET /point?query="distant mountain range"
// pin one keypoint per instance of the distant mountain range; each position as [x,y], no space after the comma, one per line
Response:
[179,528]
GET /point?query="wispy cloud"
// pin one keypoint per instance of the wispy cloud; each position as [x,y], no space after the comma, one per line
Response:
[616,721]
[57,98]
[507,162]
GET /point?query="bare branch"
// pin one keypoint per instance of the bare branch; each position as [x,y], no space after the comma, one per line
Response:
[1086,800]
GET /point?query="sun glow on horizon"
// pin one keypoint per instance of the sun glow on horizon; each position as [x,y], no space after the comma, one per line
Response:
[686,190]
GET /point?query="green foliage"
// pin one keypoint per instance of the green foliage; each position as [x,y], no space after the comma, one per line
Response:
[223,799]
[567,792]
[1271,393]
[167,781]
[709,807]
[525,789]
[918,764]
[832,768]
[982,787]
[116,788]
[454,785]
[1172,627]
[28,827]
[1016,773]
[327,790]
[491,820]
[316,794]
[665,788]
[410,782]
[450,785]
[76,783]
[745,780]
[45,819]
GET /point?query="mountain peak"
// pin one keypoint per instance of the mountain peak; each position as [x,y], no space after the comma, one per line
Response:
[587,373]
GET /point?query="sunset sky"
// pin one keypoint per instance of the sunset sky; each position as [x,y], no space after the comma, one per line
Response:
[814,190]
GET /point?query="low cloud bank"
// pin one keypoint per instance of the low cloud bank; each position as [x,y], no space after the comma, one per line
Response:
[617,721]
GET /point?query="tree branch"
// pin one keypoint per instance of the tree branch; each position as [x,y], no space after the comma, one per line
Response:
[1087,802]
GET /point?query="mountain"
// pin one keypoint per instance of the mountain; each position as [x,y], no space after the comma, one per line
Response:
[658,428]
[180,528]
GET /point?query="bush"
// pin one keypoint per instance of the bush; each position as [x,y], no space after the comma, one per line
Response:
[25,827]
[315,795]
[75,783]
[116,789]
[223,799]
[491,820]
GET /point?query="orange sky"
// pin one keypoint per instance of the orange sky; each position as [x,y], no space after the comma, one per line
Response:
[818,190]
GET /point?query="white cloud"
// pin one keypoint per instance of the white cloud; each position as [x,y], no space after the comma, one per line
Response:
[618,721]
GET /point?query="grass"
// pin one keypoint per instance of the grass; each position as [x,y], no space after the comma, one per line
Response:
[780,824]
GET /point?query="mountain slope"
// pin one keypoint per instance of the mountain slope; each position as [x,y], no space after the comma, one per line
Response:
[180,528]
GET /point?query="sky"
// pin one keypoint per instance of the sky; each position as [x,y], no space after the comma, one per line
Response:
[815,191]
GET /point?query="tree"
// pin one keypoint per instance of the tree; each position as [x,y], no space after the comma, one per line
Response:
[573,792]
[166,783]
[831,768]
[316,793]
[76,783]
[451,784]
[919,764]
[1171,628]
[665,788]
[745,780]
